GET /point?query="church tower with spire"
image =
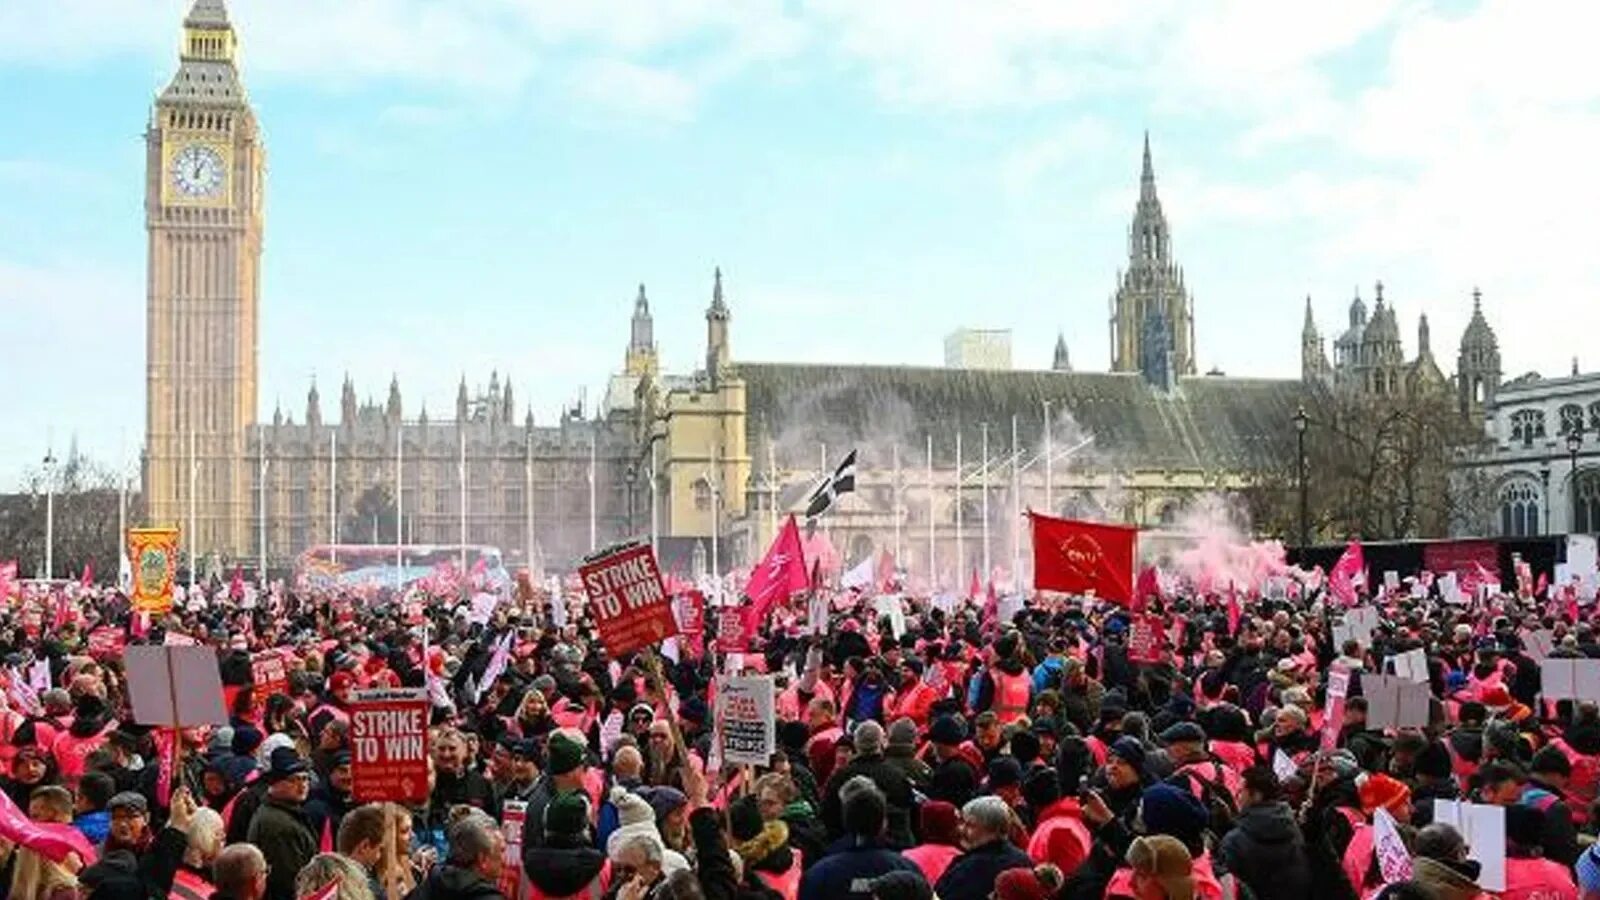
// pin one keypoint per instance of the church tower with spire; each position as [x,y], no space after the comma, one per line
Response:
[1477,364]
[1152,285]
[203,186]
[1313,358]
[641,358]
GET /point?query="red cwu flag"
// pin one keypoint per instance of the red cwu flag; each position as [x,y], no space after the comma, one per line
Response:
[1077,557]
[781,573]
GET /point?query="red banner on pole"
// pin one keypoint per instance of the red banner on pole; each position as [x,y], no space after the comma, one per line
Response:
[1079,557]
[627,598]
[1145,640]
[389,746]
[731,634]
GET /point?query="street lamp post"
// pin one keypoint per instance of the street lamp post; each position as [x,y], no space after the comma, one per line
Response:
[49,514]
[1544,480]
[1301,420]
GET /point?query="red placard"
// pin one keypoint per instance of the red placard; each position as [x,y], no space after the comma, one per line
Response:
[627,599]
[1333,710]
[107,642]
[389,746]
[270,674]
[1144,640]
[731,634]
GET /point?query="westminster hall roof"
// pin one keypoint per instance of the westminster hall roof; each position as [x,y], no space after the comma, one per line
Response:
[1209,423]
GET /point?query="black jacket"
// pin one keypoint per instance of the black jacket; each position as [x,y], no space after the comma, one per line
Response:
[971,875]
[287,841]
[1266,851]
[848,868]
[563,866]
[120,875]
[453,883]
[896,787]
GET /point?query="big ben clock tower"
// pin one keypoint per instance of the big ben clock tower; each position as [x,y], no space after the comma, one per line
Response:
[203,190]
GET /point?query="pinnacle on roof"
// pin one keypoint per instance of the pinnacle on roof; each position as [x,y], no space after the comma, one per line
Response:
[1147,176]
[1311,322]
[718,307]
[641,303]
[1478,333]
[203,13]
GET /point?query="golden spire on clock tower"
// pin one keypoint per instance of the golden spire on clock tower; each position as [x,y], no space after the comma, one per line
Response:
[204,169]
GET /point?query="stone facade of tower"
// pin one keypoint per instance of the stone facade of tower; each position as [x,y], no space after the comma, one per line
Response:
[204,217]
[1369,357]
[1478,370]
[1152,285]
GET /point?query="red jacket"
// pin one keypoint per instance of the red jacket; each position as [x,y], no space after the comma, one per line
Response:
[1061,836]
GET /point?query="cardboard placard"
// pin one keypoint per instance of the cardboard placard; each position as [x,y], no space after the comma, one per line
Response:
[1538,644]
[627,599]
[1144,640]
[747,730]
[269,673]
[1411,665]
[1484,828]
[1394,860]
[1395,702]
[1333,710]
[1569,679]
[175,687]
[389,746]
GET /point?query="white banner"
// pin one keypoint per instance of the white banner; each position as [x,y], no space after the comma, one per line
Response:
[747,730]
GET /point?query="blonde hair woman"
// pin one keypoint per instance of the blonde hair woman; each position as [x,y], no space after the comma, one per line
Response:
[36,877]
[326,867]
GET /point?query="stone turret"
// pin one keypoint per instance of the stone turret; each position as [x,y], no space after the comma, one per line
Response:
[1478,363]
[718,353]
[313,406]
[1061,363]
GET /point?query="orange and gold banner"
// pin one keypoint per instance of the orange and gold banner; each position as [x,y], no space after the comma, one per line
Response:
[154,552]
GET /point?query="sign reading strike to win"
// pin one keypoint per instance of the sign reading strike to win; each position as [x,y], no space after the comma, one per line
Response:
[628,600]
[389,746]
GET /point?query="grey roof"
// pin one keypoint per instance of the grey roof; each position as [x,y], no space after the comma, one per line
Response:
[205,81]
[1208,423]
[206,13]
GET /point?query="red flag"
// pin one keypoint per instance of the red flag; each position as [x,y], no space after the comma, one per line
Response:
[1234,612]
[1146,586]
[1341,579]
[1076,557]
[1542,586]
[88,574]
[236,587]
[782,572]
[885,573]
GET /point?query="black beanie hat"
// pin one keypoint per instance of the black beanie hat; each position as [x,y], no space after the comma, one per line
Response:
[1041,788]
[744,819]
[1434,761]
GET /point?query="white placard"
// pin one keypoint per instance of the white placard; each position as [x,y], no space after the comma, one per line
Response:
[1394,702]
[1411,665]
[1394,860]
[1484,828]
[1569,679]
[1450,589]
[158,676]
[1391,580]
[1538,644]
[747,731]
[1283,766]
[894,607]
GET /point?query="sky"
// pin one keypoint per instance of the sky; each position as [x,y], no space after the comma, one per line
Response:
[462,186]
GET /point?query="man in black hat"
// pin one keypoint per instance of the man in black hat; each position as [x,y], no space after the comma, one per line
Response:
[280,827]
[954,780]
[568,762]
[522,757]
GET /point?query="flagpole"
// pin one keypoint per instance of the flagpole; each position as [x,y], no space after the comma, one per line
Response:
[1016,509]
[655,526]
[399,500]
[261,504]
[1049,464]
[592,544]
[716,491]
[527,513]
[461,483]
[772,489]
[194,529]
[984,486]
[896,454]
[823,473]
[961,537]
[932,569]
[333,494]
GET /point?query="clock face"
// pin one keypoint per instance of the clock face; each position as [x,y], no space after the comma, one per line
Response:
[197,171]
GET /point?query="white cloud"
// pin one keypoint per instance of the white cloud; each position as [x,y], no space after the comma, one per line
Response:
[622,88]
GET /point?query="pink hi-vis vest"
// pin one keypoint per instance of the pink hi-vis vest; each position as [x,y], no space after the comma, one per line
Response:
[787,884]
[186,885]
[1011,697]
[594,891]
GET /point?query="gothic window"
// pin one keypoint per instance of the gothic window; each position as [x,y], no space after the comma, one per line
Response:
[1586,503]
[1571,418]
[1594,416]
[702,495]
[1519,509]
[513,500]
[1527,425]
[1169,513]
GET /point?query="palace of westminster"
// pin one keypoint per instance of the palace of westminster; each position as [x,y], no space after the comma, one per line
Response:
[725,449]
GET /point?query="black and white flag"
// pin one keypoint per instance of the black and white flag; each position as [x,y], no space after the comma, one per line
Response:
[842,481]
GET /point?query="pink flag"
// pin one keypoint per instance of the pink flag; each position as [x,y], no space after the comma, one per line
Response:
[53,841]
[164,739]
[8,579]
[88,574]
[782,572]
[1341,579]
[1234,612]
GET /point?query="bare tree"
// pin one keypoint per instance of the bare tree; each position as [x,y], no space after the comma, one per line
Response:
[87,496]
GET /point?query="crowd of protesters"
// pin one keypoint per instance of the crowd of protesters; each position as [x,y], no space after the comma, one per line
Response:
[967,758]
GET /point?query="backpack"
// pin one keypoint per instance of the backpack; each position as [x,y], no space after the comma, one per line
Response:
[1221,808]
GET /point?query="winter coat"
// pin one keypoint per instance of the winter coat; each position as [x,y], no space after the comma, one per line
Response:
[1266,851]
[849,867]
[466,789]
[453,883]
[890,779]
[954,781]
[972,875]
[806,834]
[286,840]
[122,874]
[564,867]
